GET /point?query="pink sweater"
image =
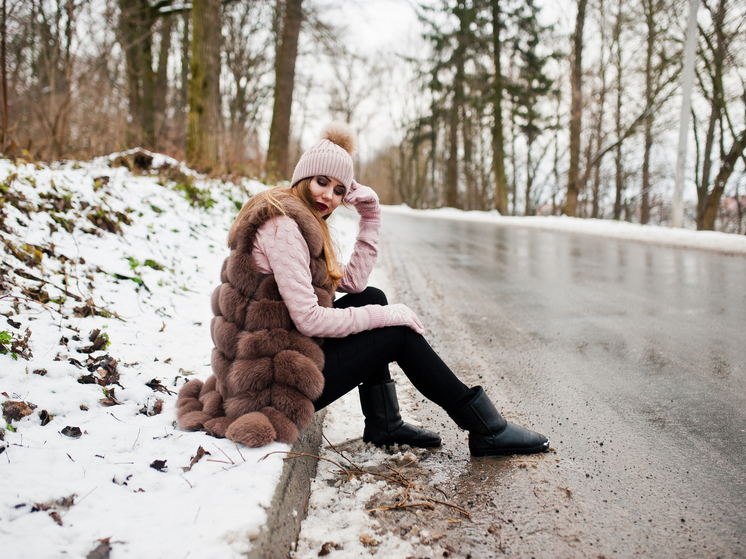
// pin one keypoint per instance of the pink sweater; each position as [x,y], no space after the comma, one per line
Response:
[279,249]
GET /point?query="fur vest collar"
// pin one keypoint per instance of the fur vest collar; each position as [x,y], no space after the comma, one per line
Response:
[266,374]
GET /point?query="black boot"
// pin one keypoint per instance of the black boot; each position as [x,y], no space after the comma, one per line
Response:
[490,434]
[383,424]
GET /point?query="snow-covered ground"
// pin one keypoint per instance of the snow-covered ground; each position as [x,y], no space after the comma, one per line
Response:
[105,460]
[105,296]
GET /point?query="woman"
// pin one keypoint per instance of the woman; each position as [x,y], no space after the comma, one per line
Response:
[285,348]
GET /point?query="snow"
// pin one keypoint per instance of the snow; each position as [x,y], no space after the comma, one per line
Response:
[162,332]
[680,238]
[157,324]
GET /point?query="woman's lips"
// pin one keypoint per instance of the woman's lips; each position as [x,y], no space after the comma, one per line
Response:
[322,207]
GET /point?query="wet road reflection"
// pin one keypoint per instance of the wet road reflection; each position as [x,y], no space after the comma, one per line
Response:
[630,357]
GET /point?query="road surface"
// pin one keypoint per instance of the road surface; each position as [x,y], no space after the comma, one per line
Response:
[631,358]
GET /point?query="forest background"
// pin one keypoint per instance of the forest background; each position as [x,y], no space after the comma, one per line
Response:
[572,108]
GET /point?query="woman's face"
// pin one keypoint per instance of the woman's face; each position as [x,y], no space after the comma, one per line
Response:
[327,193]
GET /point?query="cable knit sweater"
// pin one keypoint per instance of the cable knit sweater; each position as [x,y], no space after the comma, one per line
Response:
[279,249]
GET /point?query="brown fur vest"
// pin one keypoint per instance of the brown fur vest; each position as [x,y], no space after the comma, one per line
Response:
[266,373]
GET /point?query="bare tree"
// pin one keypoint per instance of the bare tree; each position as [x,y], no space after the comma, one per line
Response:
[718,57]
[573,186]
[278,165]
[498,140]
[247,42]
[4,69]
[204,86]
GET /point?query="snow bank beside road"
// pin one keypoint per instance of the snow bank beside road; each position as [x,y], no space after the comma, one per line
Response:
[680,238]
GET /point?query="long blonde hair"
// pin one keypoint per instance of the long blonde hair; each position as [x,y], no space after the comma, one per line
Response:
[273,200]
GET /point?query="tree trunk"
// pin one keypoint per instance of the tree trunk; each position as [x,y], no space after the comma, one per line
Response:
[726,169]
[278,164]
[470,202]
[161,81]
[704,199]
[185,61]
[599,132]
[527,209]
[498,140]
[452,198]
[204,86]
[513,158]
[5,81]
[452,167]
[576,112]
[135,26]
[649,7]
[618,172]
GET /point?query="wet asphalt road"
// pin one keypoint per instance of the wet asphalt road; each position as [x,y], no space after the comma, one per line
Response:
[631,358]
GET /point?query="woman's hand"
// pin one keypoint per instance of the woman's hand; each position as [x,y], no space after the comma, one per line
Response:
[402,315]
[363,198]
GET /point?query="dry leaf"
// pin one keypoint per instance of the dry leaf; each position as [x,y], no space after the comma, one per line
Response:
[101,551]
[368,540]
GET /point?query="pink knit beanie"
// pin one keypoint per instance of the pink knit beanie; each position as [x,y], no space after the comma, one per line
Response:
[331,157]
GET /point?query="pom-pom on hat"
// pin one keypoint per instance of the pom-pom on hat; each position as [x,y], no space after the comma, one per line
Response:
[331,157]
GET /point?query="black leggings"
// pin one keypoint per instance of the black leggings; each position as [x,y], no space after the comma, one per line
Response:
[365,357]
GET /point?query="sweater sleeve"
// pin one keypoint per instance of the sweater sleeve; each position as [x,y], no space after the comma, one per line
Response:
[364,256]
[280,249]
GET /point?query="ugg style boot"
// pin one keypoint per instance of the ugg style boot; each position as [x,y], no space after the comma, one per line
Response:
[383,423]
[490,434]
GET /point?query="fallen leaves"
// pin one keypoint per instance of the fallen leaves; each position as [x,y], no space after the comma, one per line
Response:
[17,346]
[107,369]
[45,417]
[157,386]
[101,551]
[53,507]
[201,453]
[90,309]
[155,409]
[17,410]
[368,541]
[110,398]
[327,547]
[73,432]
[100,341]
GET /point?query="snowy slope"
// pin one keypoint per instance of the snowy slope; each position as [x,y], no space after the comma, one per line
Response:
[149,290]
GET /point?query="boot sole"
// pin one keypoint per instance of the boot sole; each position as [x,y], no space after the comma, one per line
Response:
[401,443]
[511,451]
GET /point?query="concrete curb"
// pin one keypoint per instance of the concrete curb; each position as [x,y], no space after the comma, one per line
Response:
[278,536]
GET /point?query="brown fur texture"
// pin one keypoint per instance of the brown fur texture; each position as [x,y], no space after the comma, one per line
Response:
[188,405]
[341,134]
[298,371]
[246,402]
[294,404]
[191,389]
[209,386]
[266,374]
[252,429]
[250,375]
[217,427]
[220,365]
[212,404]
[285,430]
[263,343]
[192,421]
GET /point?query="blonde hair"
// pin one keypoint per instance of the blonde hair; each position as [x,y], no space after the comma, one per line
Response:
[273,200]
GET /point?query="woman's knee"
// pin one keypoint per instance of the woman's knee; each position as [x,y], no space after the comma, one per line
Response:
[375,296]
